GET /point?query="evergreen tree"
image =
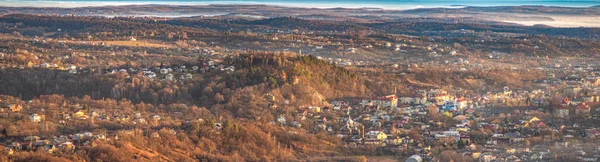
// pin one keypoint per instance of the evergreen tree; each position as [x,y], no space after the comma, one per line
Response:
[461,145]
[4,133]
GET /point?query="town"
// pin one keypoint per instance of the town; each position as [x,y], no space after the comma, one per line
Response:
[223,88]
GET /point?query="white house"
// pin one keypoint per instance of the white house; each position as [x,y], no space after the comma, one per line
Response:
[35,118]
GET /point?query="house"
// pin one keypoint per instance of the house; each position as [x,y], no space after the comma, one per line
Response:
[351,50]
[406,100]
[452,133]
[376,135]
[561,112]
[66,146]
[591,98]
[592,133]
[15,146]
[320,126]
[164,71]
[514,137]
[140,121]
[375,138]
[439,98]
[583,109]
[534,119]
[156,117]
[595,113]
[72,67]
[188,76]
[393,140]
[588,158]
[169,77]
[383,101]
[79,113]
[35,118]
[449,106]
[99,136]
[539,124]
[461,103]
[15,107]
[95,113]
[281,120]
[452,53]
[341,106]
[417,99]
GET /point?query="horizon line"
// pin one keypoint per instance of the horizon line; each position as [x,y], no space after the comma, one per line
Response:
[407,6]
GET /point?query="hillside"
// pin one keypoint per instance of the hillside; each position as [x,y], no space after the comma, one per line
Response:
[237,99]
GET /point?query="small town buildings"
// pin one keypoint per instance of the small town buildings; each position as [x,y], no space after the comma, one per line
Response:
[35,118]
[169,77]
[383,101]
[156,117]
[376,135]
[561,112]
[14,107]
[583,109]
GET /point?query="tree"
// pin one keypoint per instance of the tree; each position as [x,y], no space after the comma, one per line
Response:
[4,133]
[208,92]
[461,145]
[219,98]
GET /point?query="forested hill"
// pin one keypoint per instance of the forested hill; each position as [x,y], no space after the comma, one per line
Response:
[304,80]
[101,26]
[280,23]
[242,99]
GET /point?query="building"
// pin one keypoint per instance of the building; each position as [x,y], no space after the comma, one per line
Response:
[561,112]
[35,118]
[462,103]
[169,77]
[439,98]
[449,106]
[595,113]
[14,107]
[583,109]
[452,133]
[79,113]
[383,101]
[376,135]
[414,158]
